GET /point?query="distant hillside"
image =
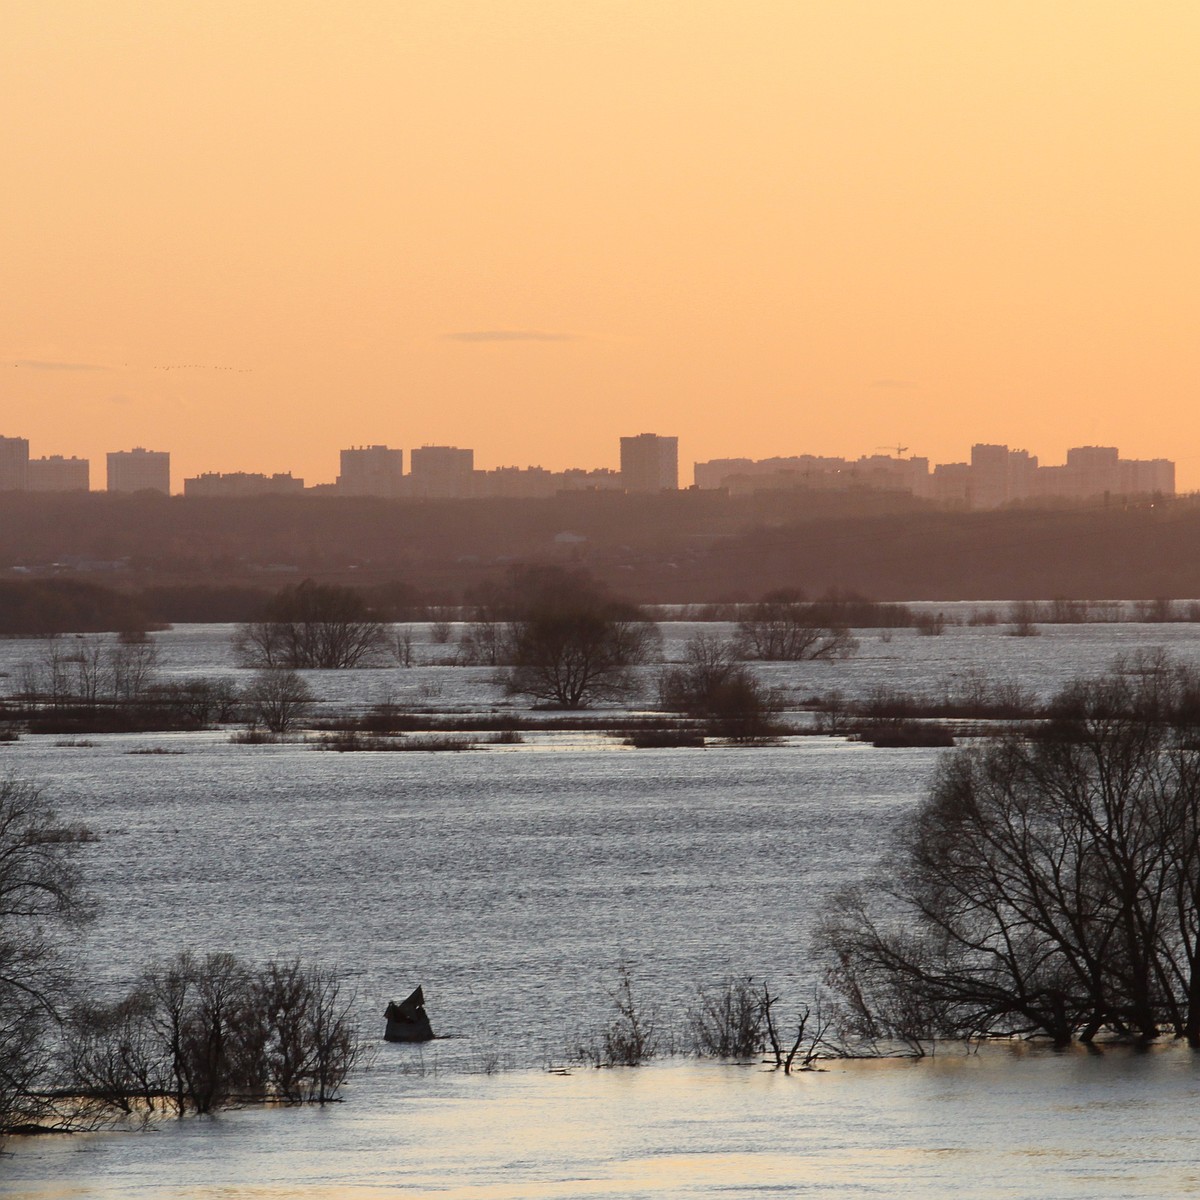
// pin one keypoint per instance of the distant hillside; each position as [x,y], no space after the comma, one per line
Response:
[677,547]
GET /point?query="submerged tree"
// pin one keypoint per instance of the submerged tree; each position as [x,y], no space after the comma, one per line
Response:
[1048,885]
[728,1021]
[41,905]
[564,638]
[713,685]
[277,700]
[784,627]
[88,671]
[314,625]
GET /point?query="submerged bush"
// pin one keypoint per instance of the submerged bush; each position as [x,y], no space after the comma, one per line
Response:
[197,1034]
[904,734]
[632,1035]
[277,700]
[669,737]
[711,685]
[727,1021]
[350,741]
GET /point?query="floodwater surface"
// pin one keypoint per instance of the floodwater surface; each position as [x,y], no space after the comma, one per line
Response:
[512,882]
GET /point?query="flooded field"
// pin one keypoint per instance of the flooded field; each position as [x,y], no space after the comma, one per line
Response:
[511,882]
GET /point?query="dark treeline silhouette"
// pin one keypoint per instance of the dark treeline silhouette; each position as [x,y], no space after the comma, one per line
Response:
[680,547]
[41,607]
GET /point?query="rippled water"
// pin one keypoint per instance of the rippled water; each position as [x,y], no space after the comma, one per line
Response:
[510,882]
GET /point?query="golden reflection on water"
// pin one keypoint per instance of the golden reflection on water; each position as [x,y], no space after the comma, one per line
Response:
[988,1126]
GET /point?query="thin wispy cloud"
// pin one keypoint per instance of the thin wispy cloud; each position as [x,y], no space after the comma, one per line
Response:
[38,364]
[894,383]
[507,335]
[41,364]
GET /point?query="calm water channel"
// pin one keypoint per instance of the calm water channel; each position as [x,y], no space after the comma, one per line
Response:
[511,881]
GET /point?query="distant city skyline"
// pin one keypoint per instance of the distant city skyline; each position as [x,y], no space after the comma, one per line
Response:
[994,475]
[323,465]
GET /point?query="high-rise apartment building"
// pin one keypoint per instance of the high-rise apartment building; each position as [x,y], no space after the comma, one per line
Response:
[1095,470]
[1147,476]
[57,474]
[999,475]
[371,471]
[14,464]
[650,463]
[442,472]
[139,470]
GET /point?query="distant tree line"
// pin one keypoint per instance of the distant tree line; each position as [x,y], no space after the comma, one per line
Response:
[42,607]
[45,606]
[687,547]
[96,684]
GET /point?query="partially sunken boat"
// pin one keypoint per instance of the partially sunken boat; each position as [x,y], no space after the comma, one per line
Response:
[407,1020]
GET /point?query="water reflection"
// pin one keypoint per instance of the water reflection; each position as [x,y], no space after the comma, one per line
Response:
[990,1125]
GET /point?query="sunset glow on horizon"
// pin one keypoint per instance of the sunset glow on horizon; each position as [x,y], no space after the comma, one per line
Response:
[255,234]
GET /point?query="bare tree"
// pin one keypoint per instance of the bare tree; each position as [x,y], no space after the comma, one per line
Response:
[784,627]
[809,1042]
[91,665]
[485,642]
[486,638]
[573,659]
[277,700]
[133,666]
[112,1063]
[1047,886]
[200,701]
[1023,617]
[91,670]
[53,677]
[197,1034]
[332,1038]
[41,904]
[404,646]
[568,641]
[316,626]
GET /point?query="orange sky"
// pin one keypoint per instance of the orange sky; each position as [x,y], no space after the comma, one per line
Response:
[770,227]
